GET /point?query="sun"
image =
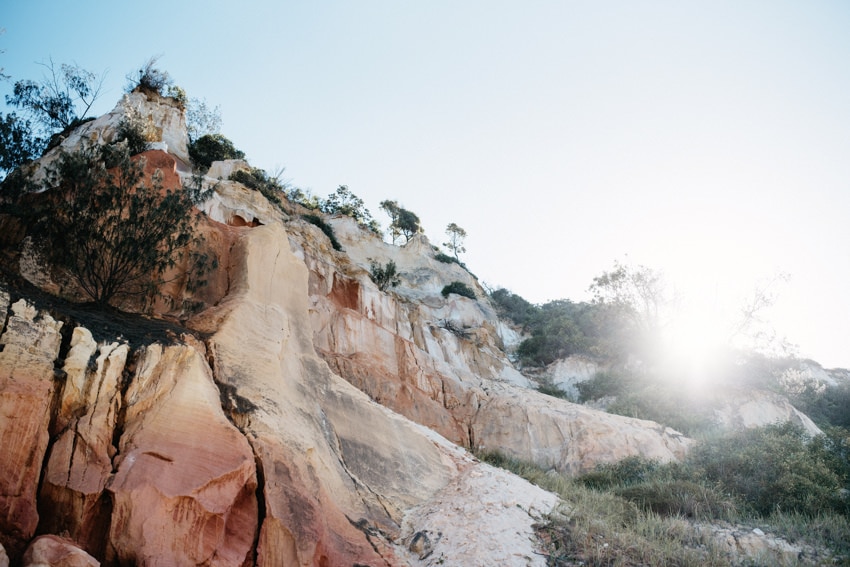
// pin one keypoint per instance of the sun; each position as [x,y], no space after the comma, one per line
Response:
[694,344]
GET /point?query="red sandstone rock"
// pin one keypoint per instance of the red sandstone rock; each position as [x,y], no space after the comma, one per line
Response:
[80,462]
[184,491]
[30,345]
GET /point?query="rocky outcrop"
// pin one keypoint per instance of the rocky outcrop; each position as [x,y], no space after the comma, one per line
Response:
[339,471]
[439,361]
[162,121]
[184,489]
[567,372]
[569,437]
[30,344]
[80,464]
[755,408]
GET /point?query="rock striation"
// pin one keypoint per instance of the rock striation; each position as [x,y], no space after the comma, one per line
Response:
[30,344]
[439,361]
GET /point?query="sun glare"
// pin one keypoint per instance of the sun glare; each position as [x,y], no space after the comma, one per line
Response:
[694,344]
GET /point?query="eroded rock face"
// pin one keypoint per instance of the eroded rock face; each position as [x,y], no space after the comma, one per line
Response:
[30,344]
[572,438]
[185,488]
[757,408]
[337,467]
[162,120]
[437,360]
[80,463]
[341,473]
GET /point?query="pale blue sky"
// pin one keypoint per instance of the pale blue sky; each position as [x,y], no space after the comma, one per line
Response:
[710,140]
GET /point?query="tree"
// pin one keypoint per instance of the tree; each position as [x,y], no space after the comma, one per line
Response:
[408,224]
[344,202]
[202,119]
[18,144]
[455,244]
[62,98]
[112,231]
[402,222]
[392,209]
[637,291]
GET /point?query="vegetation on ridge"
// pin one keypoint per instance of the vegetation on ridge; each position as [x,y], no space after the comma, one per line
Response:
[81,226]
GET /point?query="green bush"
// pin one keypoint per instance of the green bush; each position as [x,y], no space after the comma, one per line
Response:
[552,390]
[459,288]
[135,137]
[603,384]
[212,147]
[774,468]
[258,180]
[324,227]
[384,276]
[511,305]
[445,258]
[626,472]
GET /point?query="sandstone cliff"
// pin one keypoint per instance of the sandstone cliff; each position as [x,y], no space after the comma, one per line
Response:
[305,418]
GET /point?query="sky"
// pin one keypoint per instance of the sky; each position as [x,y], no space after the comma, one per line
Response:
[707,140]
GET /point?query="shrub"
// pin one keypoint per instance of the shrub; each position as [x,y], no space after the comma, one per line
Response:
[258,180]
[459,288]
[316,220]
[384,276]
[445,258]
[149,78]
[303,197]
[212,147]
[603,384]
[773,468]
[680,498]
[510,305]
[552,390]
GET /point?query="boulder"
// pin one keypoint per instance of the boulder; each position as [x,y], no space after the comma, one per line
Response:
[757,408]
[55,551]
[571,438]
[30,345]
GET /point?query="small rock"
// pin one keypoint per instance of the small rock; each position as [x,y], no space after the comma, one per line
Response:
[421,545]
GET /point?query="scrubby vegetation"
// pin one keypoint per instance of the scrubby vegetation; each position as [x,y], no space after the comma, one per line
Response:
[562,328]
[344,202]
[318,221]
[459,288]
[212,147]
[258,180]
[384,276]
[83,230]
[653,513]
